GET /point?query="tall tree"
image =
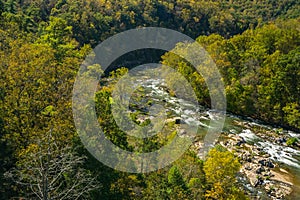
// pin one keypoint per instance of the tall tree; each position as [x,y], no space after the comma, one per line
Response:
[50,170]
[221,168]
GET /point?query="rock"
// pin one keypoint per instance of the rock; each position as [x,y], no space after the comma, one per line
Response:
[259,149]
[232,131]
[266,155]
[281,140]
[248,167]
[259,170]
[255,152]
[278,194]
[266,163]
[246,157]
[270,164]
[277,191]
[262,162]
[240,141]
[270,189]
[283,170]
[258,181]
[268,174]
[177,121]
[182,132]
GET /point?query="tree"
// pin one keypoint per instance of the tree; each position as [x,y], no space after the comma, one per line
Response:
[49,170]
[35,95]
[292,112]
[11,6]
[221,168]
[175,178]
[260,69]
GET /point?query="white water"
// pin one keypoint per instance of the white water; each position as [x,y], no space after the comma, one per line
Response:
[248,135]
[189,113]
[278,153]
[281,154]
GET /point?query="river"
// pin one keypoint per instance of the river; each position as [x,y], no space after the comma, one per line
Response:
[287,158]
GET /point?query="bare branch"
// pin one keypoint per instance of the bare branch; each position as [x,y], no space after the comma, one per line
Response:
[54,172]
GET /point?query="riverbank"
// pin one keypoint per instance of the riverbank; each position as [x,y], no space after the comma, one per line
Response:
[264,154]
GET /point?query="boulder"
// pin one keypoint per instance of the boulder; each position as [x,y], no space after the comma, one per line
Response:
[269,164]
[281,140]
[266,163]
[246,157]
[259,170]
[249,167]
[239,141]
[258,181]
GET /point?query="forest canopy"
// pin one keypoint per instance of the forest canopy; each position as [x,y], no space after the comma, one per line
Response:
[255,44]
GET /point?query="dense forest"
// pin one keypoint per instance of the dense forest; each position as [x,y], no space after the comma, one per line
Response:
[255,44]
[260,69]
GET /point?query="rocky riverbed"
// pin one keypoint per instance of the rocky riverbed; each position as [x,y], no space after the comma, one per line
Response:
[264,154]
[259,167]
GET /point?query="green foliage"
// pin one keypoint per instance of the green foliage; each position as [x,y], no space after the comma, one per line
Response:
[11,6]
[183,180]
[35,95]
[110,128]
[221,168]
[292,141]
[260,69]
[175,178]
[42,44]
[93,21]
[292,112]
